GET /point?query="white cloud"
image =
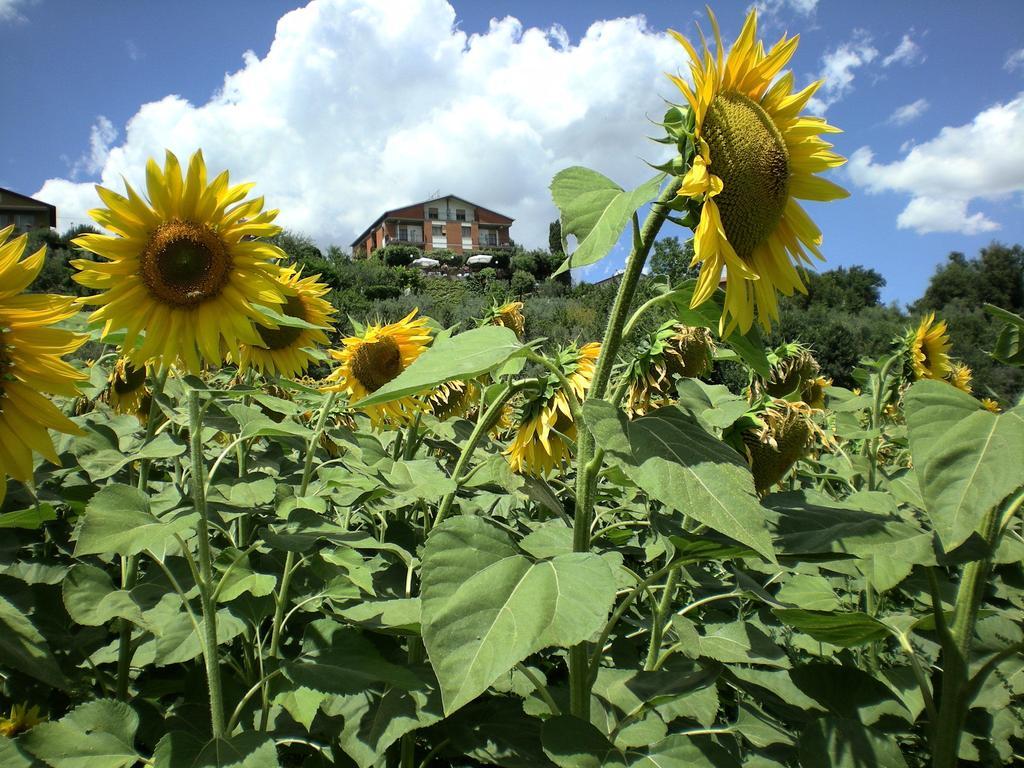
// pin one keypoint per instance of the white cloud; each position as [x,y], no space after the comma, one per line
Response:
[909,112]
[1014,61]
[132,49]
[101,136]
[838,69]
[10,11]
[980,161]
[907,52]
[772,7]
[360,106]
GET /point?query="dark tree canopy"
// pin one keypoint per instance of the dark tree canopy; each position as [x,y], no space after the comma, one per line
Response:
[672,259]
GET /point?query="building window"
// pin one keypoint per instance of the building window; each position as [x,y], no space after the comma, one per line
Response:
[25,221]
[488,237]
[432,213]
[410,234]
[437,230]
[460,214]
[467,232]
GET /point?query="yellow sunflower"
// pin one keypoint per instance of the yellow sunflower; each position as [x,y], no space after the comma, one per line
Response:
[929,349]
[21,719]
[990,405]
[452,399]
[282,351]
[546,428]
[674,350]
[186,266]
[960,376]
[372,359]
[756,155]
[509,315]
[126,390]
[30,363]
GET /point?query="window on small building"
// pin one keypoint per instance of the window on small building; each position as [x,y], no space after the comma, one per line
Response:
[432,213]
[25,221]
[467,232]
[460,214]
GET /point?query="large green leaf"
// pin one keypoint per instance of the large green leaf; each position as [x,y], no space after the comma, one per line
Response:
[967,460]
[24,649]
[100,734]
[1009,347]
[844,743]
[246,750]
[595,210]
[487,606]
[464,356]
[847,630]
[676,462]
[118,521]
[92,600]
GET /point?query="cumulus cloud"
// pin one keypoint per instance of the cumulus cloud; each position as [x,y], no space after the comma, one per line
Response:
[980,161]
[101,136]
[909,112]
[838,69]
[1014,61]
[360,106]
[772,7]
[907,52]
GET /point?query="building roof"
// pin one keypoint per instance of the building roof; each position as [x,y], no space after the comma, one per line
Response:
[389,213]
[26,203]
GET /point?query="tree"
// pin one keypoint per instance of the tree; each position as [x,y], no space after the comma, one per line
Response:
[672,259]
[852,289]
[555,238]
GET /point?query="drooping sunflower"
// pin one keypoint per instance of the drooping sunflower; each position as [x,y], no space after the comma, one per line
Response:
[126,388]
[452,399]
[960,376]
[674,350]
[756,156]
[375,357]
[546,428]
[509,315]
[30,363]
[929,347]
[784,433]
[282,351]
[184,266]
[793,373]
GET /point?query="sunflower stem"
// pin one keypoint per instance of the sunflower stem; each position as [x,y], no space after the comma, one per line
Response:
[586,468]
[289,560]
[213,682]
[130,565]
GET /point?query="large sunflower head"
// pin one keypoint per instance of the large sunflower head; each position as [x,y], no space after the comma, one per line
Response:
[929,347]
[282,350]
[375,357]
[30,362]
[756,155]
[546,431]
[186,266]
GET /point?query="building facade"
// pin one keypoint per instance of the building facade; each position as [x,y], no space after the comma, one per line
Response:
[445,223]
[24,212]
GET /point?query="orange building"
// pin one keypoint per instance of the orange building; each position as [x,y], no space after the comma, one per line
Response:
[449,223]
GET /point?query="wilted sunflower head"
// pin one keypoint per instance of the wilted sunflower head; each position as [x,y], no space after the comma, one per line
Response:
[960,376]
[187,266]
[30,362]
[546,431]
[452,399]
[282,350]
[813,391]
[756,155]
[674,350]
[792,367]
[375,357]
[929,347]
[509,315]
[126,388]
[783,436]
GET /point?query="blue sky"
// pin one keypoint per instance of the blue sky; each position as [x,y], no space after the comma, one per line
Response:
[350,106]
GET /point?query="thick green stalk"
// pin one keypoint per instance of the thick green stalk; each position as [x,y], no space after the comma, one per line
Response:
[206,586]
[661,612]
[289,560]
[586,467]
[130,565]
[956,650]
